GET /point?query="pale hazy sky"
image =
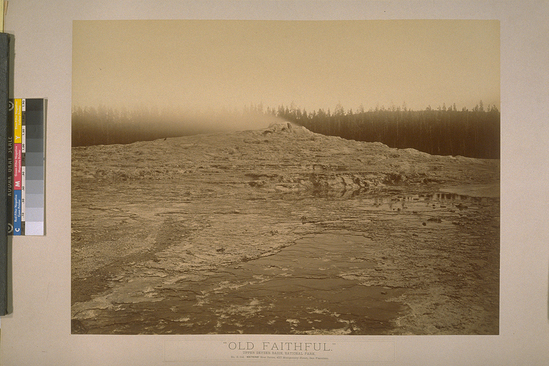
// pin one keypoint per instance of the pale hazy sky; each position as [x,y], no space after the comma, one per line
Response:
[314,64]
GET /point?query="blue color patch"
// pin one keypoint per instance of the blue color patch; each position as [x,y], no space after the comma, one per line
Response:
[17,213]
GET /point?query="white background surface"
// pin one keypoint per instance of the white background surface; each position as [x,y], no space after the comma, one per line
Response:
[38,330]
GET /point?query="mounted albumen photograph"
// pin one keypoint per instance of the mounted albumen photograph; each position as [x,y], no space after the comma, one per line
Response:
[285,177]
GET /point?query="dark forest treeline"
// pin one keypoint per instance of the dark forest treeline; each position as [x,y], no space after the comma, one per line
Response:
[442,131]
[106,126]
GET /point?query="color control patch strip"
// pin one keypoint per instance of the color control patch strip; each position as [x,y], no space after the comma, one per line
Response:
[28,166]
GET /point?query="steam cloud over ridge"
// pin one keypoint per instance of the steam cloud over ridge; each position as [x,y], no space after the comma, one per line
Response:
[102,126]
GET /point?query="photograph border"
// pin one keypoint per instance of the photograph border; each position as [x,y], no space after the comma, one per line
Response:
[38,330]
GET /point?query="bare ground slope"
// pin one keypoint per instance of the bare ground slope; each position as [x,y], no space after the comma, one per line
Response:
[168,236]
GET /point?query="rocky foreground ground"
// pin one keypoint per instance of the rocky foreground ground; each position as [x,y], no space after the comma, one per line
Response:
[195,234]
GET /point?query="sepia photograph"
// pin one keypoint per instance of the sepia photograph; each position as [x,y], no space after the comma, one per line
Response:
[316,177]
